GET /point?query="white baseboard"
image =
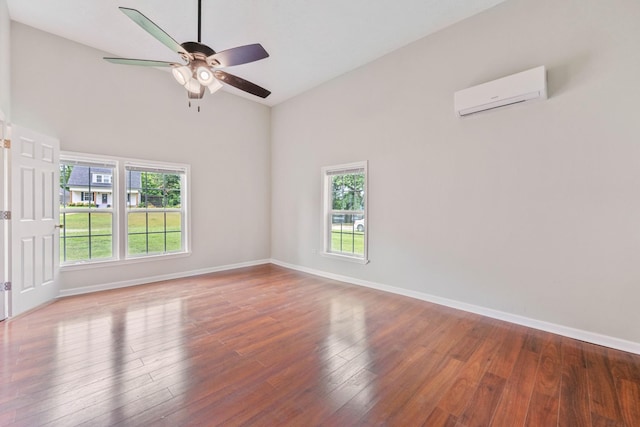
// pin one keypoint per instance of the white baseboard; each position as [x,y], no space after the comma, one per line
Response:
[159,278]
[579,334]
[591,337]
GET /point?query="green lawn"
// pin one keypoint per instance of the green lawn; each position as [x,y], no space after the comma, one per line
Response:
[351,242]
[147,233]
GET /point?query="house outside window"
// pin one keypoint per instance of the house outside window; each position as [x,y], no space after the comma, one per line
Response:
[345,211]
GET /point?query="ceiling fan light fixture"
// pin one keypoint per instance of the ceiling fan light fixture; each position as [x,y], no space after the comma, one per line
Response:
[204,75]
[214,86]
[193,86]
[182,74]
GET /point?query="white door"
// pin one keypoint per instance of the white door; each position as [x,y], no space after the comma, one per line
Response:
[35,216]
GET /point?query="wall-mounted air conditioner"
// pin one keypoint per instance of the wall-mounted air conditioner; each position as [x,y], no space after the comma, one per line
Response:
[525,86]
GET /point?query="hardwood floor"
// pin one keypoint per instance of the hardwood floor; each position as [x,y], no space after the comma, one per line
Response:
[274,347]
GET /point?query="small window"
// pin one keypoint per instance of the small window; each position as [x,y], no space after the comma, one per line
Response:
[101,178]
[345,206]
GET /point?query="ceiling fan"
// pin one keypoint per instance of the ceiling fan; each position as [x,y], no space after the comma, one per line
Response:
[203,64]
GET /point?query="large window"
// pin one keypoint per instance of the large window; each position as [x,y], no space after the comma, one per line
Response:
[155,214]
[111,213]
[87,232]
[345,206]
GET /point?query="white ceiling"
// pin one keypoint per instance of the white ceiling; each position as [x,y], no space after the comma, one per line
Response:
[309,42]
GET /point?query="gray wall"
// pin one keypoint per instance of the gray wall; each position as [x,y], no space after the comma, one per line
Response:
[532,210]
[5,50]
[69,92]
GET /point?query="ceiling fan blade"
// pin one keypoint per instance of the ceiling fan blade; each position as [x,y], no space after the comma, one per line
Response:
[241,84]
[143,62]
[150,27]
[238,55]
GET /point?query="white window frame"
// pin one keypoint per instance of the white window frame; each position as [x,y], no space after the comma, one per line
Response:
[119,204]
[327,173]
[167,168]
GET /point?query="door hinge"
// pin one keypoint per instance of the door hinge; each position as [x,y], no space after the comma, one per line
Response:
[6,286]
[6,143]
[5,215]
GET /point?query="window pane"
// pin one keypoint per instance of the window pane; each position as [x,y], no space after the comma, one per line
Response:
[76,224]
[174,221]
[82,185]
[74,248]
[137,222]
[152,194]
[101,247]
[156,243]
[133,184]
[347,191]
[137,244]
[174,242]
[101,223]
[156,222]
[345,237]
[172,188]
[65,193]
[173,199]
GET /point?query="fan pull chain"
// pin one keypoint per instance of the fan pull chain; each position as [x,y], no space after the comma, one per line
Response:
[197,106]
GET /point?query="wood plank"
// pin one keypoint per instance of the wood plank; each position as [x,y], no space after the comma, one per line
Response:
[514,404]
[479,411]
[602,389]
[511,341]
[543,407]
[440,418]
[574,393]
[435,383]
[462,389]
[629,399]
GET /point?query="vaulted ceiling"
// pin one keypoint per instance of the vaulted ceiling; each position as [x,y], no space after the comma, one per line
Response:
[309,42]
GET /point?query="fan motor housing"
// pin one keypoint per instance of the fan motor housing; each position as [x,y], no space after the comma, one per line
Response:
[195,47]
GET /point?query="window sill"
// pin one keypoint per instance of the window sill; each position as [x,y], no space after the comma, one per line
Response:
[345,258]
[82,265]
